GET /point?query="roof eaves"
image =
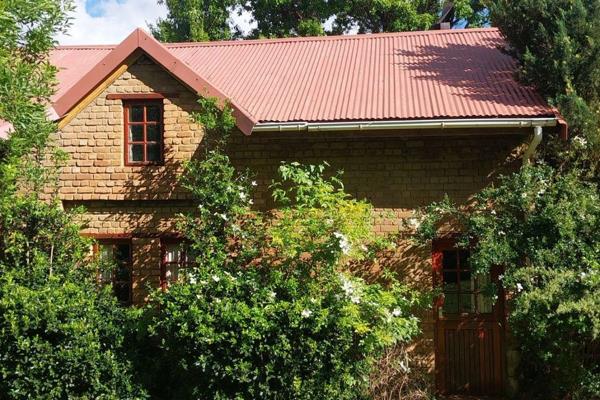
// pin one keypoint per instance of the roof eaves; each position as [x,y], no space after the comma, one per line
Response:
[139,39]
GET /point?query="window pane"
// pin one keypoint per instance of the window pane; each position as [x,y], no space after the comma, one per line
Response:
[467,303]
[172,272]
[136,113]
[153,133]
[483,281]
[466,283]
[153,152]
[451,303]
[122,291]
[136,152]
[450,281]
[449,259]
[484,304]
[152,113]
[123,273]
[173,252]
[136,133]
[464,259]
[106,252]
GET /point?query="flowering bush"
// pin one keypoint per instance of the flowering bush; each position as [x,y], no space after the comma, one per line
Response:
[268,311]
[542,228]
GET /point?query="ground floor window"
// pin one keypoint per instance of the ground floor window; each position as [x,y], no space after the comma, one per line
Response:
[174,261]
[463,290]
[116,268]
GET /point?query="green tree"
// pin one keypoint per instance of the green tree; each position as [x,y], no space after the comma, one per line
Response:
[540,224]
[558,45]
[194,21]
[373,16]
[60,335]
[275,18]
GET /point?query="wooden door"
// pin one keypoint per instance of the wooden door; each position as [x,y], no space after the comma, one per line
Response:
[469,330]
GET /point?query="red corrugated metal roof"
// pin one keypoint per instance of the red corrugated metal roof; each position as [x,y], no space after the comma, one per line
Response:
[392,76]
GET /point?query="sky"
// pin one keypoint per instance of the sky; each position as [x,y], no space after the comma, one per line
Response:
[110,21]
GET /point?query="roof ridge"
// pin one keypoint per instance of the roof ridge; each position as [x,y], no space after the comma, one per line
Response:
[85,46]
[361,36]
[247,42]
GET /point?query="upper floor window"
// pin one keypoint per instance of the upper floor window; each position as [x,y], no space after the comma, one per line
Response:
[143,132]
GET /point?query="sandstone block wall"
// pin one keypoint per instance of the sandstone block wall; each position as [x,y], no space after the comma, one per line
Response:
[396,171]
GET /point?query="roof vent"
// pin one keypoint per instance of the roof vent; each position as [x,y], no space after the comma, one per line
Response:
[445,25]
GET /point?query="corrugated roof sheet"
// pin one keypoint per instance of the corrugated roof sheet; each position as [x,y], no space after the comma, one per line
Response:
[393,76]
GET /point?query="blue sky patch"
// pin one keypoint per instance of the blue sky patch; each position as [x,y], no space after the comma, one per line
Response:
[95,7]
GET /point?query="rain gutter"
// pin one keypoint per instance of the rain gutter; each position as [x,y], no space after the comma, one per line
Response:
[405,124]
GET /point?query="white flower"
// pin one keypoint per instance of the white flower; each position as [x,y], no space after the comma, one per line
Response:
[519,287]
[397,312]
[344,243]
[254,183]
[541,192]
[583,275]
[414,222]
[192,279]
[222,216]
[501,233]
[493,212]
[243,196]
[272,294]
[250,201]
[347,287]
[216,278]
[524,195]
[306,313]
[580,141]
[355,299]
[500,277]
[404,366]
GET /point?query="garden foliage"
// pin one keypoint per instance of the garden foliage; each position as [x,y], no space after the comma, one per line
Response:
[267,310]
[60,335]
[541,224]
[542,229]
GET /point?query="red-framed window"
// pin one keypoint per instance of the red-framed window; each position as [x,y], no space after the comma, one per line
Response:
[143,132]
[174,262]
[116,267]
[463,291]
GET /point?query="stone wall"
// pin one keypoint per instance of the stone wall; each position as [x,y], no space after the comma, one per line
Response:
[396,171]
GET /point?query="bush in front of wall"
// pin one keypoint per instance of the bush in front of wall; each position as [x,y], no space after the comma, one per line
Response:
[268,310]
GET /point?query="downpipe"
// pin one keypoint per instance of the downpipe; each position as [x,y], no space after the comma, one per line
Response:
[533,145]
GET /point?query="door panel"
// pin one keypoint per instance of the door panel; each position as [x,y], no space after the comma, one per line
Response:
[469,327]
[470,361]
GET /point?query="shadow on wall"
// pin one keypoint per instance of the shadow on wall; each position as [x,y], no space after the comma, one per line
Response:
[391,172]
[162,182]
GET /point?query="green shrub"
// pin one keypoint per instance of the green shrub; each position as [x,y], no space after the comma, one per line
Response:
[542,227]
[268,311]
[61,340]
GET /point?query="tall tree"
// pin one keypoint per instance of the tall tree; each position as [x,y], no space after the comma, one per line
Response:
[60,337]
[194,21]
[283,18]
[388,16]
[541,224]
[199,20]
[558,45]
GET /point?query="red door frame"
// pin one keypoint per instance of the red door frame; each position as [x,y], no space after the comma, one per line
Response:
[495,321]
